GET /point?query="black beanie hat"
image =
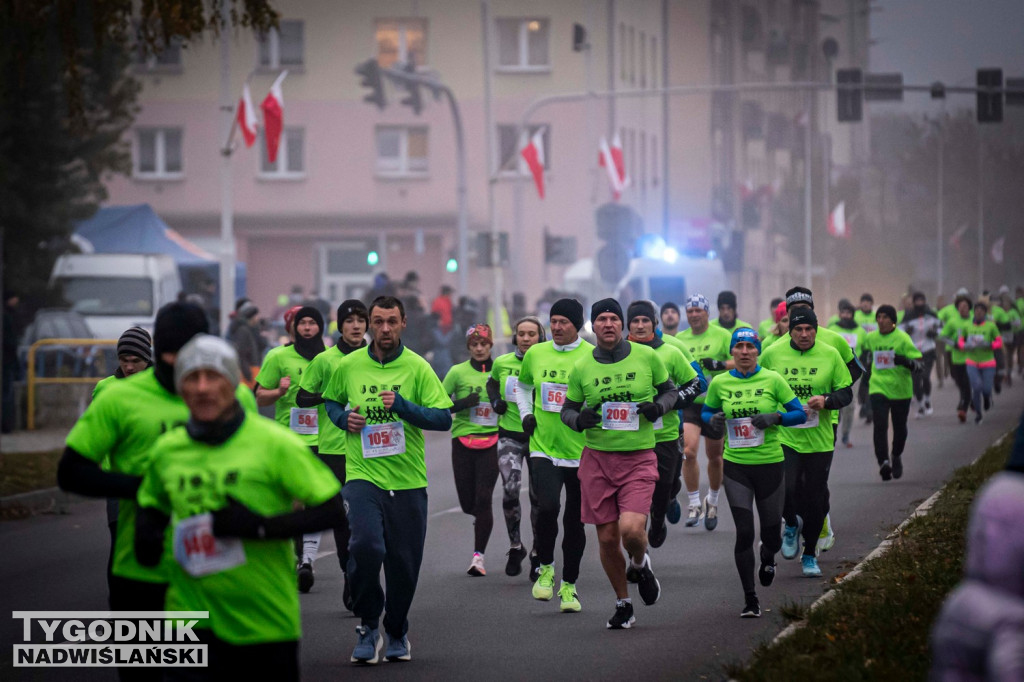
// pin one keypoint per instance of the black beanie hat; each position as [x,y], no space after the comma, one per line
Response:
[670,306]
[605,305]
[844,304]
[727,298]
[887,310]
[353,306]
[645,308]
[799,295]
[176,323]
[310,311]
[569,308]
[136,341]
[802,315]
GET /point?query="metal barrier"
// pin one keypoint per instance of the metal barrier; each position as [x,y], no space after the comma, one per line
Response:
[33,380]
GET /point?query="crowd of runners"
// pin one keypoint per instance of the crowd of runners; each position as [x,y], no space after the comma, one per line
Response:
[214,508]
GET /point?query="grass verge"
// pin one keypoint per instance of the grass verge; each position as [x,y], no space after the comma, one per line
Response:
[22,472]
[876,627]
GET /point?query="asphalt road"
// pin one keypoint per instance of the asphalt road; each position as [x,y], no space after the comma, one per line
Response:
[465,628]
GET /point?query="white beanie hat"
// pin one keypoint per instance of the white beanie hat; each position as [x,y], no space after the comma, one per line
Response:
[205,351]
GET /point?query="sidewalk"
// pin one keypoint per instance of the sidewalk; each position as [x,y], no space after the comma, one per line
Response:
[40,440]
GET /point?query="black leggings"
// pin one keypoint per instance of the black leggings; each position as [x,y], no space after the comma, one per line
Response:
[923,379]
[745,485]
[669,460]
[881,408]
[547,480]
[476,472]
[137,595]
[807,492]
[963,384]
[336,463]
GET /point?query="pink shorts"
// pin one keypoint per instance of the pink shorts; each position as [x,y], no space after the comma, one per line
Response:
[614,482]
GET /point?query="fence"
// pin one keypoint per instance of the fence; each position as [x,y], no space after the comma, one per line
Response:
[73,367]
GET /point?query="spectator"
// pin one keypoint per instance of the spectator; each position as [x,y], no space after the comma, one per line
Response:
[442,307]
[243,334]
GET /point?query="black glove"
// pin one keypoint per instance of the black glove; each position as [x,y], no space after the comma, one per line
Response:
[650,411]
[589,418]
[765,419]
[471,400]
[713,365]
[932,333]
[900,360]
[717,421]
[500,406]
[238,521]
[529,424]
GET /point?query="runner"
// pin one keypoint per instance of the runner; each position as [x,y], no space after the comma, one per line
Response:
[865,317]
[819,377]
[709,345]
[555,451]
[745,402]
[892,357]
[951,333]
[923,326]
[232,525]
[615,394]
[353,318]
[980,340]
[513,443]
[778,329]
[642,323]
[393,394]
[474,439]
[670,318]
[727,312]
[1011,337]
[764,328]
[277,384]
[854,336]
[1003,314]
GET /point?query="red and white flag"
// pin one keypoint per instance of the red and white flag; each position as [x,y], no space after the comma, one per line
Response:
[954,239]
[246,116]
[273,117]
[533,154]
[612,160]
[837,222]
[997,250]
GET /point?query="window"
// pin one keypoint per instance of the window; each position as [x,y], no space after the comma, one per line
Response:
[654,63]
[622,51]
[109,295]
[167,60]
[643,59]
[523,44]
[402,150]
[632,55]
[283,48]
[158,153]
[509,146]
[401,41]
[291,155]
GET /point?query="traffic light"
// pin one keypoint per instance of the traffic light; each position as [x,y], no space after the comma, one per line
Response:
[370,72]
[990,104]
[849,100]
[372,258]
[414,98]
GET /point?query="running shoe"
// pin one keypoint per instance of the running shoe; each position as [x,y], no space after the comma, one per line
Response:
[570,600]
[885,471]
[849,444]
[827,537]
[987,402]
[369,646]
[632,574]
[693,516]
[766,573]
[305,575]
[791,539]
[398,649]
[752,609]
[657,534]
[623,618]
[648,585]
[674,512]
[710,515]
[514,565]
[920,412]
[346,592]
[897,466]
[928,411]
[543,589]
[846,440]
[810,566]
[476,566]
[534,566]
[978,418]
[961,415]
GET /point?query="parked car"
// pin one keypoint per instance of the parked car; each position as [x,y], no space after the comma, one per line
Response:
[60,359]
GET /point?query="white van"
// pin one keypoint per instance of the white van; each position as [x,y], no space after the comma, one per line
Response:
[115,291]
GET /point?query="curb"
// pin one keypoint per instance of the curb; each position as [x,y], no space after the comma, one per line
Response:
[45,501]
[882,548]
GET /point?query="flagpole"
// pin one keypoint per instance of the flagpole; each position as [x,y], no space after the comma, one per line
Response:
[492,211]
[227,250]
[981,215]
[807,190]
[941,270]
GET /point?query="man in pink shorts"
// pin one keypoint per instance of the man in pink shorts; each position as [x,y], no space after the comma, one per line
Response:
[616,396]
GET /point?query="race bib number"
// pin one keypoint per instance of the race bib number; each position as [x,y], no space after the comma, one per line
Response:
[199,552]
[657,424]
[812,419]
[483,414]
[510,388]
[851,340]
[885,359]
[303,420]
[620,417]
[743,433]
[977,341]
[383,440]
[870,327]
[552,396]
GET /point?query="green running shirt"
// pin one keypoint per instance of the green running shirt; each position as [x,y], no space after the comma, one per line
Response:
[460,381]
[506,372]
[866,320]
[952,331]
[713,343]
[285,361]
[892,381]
[739,398]
[985,333]
[330,439]
[547,370]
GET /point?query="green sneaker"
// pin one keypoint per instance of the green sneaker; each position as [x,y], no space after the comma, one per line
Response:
[827,537]
[543,589]
[570,600]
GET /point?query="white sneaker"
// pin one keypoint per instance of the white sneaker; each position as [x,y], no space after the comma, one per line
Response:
[827,538]
[476,566]
[693,516]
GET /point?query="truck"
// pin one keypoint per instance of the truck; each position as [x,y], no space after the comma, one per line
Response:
[115,291]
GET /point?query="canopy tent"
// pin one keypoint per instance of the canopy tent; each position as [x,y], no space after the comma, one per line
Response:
[138,229]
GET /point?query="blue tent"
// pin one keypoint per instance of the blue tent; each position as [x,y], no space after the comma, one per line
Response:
[138,229]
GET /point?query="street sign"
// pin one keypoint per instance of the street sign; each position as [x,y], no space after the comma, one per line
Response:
[883,87]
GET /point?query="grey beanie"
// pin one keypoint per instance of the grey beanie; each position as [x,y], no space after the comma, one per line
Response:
[205,351]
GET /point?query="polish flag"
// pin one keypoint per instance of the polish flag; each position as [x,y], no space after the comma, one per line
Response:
[612,160]
[837,222]
[246,116]
[533,154]
[954,239]
[273,117]
[997,250]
